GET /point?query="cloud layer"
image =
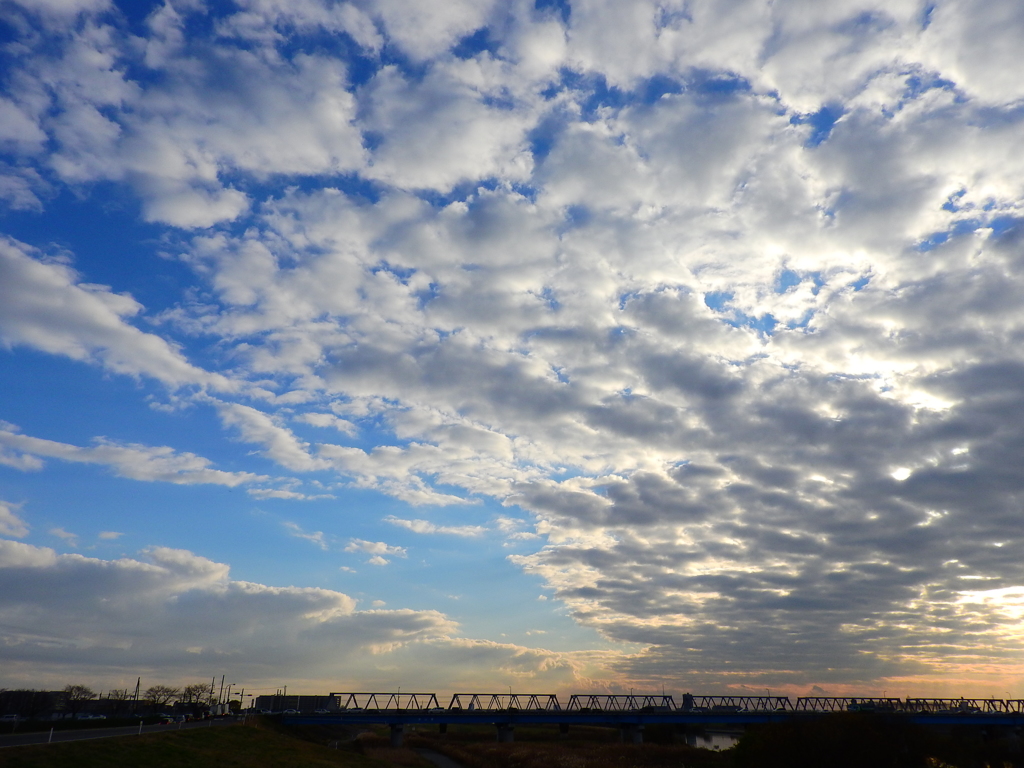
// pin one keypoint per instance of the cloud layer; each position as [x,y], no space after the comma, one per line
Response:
[725,296]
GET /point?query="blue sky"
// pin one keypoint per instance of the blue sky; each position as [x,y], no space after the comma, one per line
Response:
[568,346]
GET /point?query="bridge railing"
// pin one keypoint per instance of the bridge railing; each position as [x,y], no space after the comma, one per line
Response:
[603,702]
[963,706]
[489,702]
[909,706]
[385,701]
[848,704]
[735,703]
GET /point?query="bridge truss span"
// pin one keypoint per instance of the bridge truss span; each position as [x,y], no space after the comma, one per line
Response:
[965,706]
[623,705]
[602,702]
[501,702]
[385,702]
[736,703]
[850,704]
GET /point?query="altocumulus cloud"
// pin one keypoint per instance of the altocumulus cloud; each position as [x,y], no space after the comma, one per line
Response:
[727,297]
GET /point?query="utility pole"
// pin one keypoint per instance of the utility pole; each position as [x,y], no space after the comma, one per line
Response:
[220,698]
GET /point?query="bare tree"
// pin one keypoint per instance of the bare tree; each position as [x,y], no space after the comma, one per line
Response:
[120,697]
[75,697]
[160,695]
[196,693]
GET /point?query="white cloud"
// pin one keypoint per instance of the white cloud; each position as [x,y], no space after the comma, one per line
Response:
[137,462]
[172,142]
[971,43]
[283,493]
[328,420]
[425,526]
[44,305]
[441,131]
[423,30]
[60,10]
[110,535]
[376,549]
[20,189]
[280,444]
[10,523]
[317,537]
[18,129]
[60,533]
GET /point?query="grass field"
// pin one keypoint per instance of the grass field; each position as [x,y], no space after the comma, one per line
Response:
[227,747]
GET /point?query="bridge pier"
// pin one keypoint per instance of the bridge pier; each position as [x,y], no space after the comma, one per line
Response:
[506,732]
[397,730]
[631,734]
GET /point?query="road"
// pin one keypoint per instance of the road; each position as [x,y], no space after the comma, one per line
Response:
[23,739]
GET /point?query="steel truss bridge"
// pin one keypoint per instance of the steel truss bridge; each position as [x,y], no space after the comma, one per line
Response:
[631,712]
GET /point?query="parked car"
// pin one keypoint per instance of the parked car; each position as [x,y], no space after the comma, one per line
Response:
[321,711]
[9,718]
[290,712]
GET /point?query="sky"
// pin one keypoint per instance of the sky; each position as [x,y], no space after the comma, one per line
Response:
[459,345]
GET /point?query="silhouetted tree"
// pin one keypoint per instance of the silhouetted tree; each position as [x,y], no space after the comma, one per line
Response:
[161,695]
[196,693]
[120,698]
[75,697]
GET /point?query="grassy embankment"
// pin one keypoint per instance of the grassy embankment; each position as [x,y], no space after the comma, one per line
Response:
[223,747]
